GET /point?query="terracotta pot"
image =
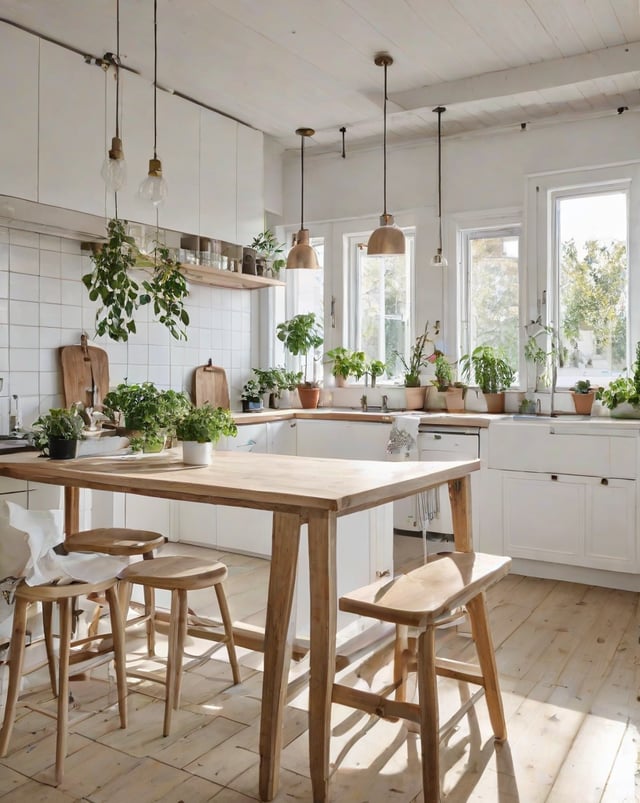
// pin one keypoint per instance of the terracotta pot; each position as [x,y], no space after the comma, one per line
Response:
[495,402]
[414,398]
[454,398]
[309,397]
[583,402]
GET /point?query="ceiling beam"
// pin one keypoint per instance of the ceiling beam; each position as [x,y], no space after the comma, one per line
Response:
[605,63]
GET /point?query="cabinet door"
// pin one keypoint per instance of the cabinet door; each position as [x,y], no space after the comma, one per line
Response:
[72,131]
[196,523]
[218,191]
[544,518]
[148,513]
[344,439]
[250,438]
[281,437]
[19,101]
[250,184]
[610,539]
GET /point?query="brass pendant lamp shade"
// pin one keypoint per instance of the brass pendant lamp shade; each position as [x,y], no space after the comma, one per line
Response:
[387,238]
[438,260]
[302,255]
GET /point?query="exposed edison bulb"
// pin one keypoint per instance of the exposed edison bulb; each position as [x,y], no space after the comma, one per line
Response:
[154,188]
[114,167]
[438,260]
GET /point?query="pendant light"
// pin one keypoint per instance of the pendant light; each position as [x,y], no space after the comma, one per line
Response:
[114,167]
[154,188]
[388,238]
[439,261]
[302,254]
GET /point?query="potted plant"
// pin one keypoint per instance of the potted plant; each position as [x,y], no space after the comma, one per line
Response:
[622,395]
[301,335]
[346,363]
[491,372]
[57,433]
[445,383]
[173,406]
[412,367]
[139,411]
[251,395]
[375,368]
[111,283]
[269,251]
[583,396]
[200,428]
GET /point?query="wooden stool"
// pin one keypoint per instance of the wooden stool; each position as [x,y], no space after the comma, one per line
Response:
[123,542]
[63,596]
[179,575]
[420,600]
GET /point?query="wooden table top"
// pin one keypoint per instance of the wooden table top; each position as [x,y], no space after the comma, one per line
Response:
[264,481]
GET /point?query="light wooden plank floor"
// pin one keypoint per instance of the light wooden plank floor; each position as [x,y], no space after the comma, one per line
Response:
[570,670]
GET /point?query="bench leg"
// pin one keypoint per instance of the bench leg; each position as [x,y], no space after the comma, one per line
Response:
[478,616]
[429,719]
[117,633]
[228,629]
[16,659]
[64,615]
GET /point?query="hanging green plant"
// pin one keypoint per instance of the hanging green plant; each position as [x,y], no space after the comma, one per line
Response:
[112,284]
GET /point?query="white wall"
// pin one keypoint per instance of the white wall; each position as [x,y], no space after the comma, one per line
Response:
[480,172]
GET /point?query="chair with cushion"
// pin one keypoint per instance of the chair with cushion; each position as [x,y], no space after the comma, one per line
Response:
[179,575]
[71,653]
[419,601]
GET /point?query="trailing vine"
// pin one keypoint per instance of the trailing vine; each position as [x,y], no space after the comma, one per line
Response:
[112,284]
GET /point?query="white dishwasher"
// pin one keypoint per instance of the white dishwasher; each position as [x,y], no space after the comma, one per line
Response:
[431,511]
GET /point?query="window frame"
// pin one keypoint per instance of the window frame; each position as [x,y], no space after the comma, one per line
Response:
[542,246]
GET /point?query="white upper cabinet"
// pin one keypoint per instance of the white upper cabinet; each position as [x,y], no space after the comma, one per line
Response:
[178,148]
[71,131]
[19,103]
[218,153]
[250,184]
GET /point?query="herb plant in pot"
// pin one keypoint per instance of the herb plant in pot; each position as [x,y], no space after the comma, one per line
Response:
[445,383]
[488,368]
[301,336]
[200,428]
[583,396]
[346,363]
[622,395]
[57,433]
[412,367]
[145,415]
[375,368]
[251,395]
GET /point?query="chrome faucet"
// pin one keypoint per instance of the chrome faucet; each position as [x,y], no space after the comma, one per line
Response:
[385,404]
[363,403]
[554,379]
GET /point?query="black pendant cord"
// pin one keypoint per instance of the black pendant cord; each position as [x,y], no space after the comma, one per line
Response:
[155,78]
[343,131]
[439,180]
[117,68]
[384,143]
[301,182]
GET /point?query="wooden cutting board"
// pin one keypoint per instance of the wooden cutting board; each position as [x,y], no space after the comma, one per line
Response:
[84,367]
[210,385]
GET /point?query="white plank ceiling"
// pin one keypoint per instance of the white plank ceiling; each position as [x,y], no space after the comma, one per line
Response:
[280,64]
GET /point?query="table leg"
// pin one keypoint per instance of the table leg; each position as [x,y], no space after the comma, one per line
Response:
[71,510]
[460,497]
[277,647]
[323,597]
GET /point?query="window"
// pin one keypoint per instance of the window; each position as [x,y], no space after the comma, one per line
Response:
[590,282]
[380,302]
[490,290]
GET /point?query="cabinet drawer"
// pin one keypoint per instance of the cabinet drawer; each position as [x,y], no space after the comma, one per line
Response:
[552,449]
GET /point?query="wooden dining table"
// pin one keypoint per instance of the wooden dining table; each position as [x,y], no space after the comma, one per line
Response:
[298,490]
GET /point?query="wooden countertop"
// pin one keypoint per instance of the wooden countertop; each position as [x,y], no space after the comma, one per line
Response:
[375,416]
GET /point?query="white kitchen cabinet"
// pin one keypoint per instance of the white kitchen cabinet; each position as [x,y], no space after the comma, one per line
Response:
[282,437]
[71,131]
[217,186]
[249,184]
[19,101]
[148,513]
[344,439]
[579,521]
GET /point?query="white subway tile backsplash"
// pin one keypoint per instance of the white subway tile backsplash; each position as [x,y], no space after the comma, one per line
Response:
[49,359]
[138,354]
[50,290]
[4,365]
[28,238]
[50,383]
[50,315]
[160,374]
[69,246]
[50,264]
[71,293]
[4,284]
[50,337]
[4,234]
[71,317]
[159,355]
[24,359]
[24,287]
[4,256]
[25,337]
[49,243]
[25,383]
[71,267]
[23,259]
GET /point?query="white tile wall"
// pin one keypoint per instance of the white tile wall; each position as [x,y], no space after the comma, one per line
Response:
[44,305]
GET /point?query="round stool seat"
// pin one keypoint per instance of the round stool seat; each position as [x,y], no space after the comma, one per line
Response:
[124,541]
[176,572]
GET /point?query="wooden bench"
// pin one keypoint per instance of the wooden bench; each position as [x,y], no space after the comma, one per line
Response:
[420,600]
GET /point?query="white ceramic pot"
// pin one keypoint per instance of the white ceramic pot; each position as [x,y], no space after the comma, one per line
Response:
[197,454]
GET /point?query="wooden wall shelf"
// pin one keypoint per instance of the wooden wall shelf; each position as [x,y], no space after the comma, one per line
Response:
[200,274]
